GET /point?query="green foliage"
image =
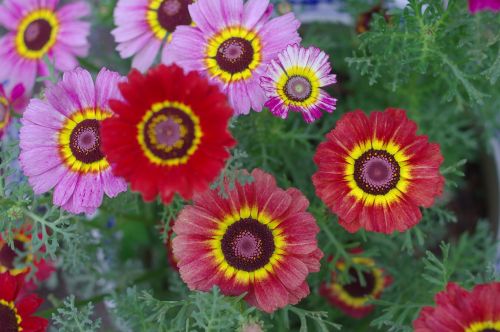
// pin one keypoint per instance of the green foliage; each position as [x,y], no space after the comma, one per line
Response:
[69,318]
[209,312]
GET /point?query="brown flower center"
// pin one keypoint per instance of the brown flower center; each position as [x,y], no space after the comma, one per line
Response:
[235,55]
[85,141]
[37,34]
[376,172]
[355,288]
[173,13]
[8,318]
[248,245]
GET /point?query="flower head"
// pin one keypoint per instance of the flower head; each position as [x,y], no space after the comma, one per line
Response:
[170,133]
[353,297]
[37,29]
[9,257]
[374,172]
[259,240]
[144,26]
[16,311]
[459,310]
[479,5]
[61,142]
[232,44]
[293,83]
[14,100]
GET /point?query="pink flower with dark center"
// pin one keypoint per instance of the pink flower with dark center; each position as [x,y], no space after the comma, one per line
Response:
[61,142]
[232,43]
[145,26]
[36,29]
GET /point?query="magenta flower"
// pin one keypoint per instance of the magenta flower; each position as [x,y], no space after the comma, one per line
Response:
[10,99]
[61,143]
[144,26]
[479,5]
[294,80]
[232,43]
[35,30]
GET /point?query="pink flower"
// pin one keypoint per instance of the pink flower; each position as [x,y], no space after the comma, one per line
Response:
[144,26]
[479,5]
[294,80]
[232,43]
[61,142]
[36,30]
[259,240]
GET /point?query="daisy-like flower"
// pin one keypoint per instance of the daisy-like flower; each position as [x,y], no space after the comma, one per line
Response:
[16,312]
[35,30]
[374,172]
[459,310]
[20,254]
[259,240]
[170,133]
[480,5]
[353,297]
[10,101]
[232,44]
[294,80]
[61,142]
[144,26]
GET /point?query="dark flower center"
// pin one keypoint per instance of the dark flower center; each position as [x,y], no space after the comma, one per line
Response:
[8,255]
[37,34]
[490,330]
[235,55]
[298,88]
[173,13]
[248,245]
[169,133]
[8,319]
[85,142]
[355,288]
[376,172]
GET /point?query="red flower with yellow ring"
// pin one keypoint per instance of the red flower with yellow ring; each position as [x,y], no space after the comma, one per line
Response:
[259,240]
[353,296]
[169,135]
[374,172]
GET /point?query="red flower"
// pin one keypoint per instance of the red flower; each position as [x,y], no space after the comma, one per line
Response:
[374,172]
[8,258]
[353,297]
[459,310]
[16,314]
[169,135]
[259,240]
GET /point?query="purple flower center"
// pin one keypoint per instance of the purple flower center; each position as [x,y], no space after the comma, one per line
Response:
[169,134]
[376,172]
[85,142]
[8,255]
[8,319]
[490,330]
[248,245]
[235,55]
[298,88]
[37,34]
[355,288]
[173,13]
